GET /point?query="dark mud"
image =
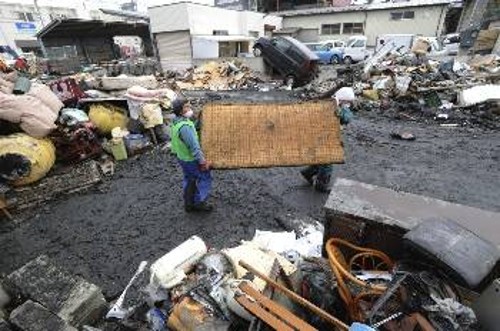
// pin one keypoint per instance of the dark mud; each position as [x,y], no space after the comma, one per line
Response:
[137,215]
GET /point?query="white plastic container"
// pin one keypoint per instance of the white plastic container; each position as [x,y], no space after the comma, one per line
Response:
[170,270]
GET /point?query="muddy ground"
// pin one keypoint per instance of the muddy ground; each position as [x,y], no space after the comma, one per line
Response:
[137,214]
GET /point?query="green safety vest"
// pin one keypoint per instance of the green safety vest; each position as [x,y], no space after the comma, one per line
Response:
[177,145]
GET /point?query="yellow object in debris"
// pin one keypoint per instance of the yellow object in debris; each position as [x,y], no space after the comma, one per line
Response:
[40,152]
[187,315]
[151,115]
[371,95]
[106,117]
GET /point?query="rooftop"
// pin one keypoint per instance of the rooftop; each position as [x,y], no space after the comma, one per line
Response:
[374,6]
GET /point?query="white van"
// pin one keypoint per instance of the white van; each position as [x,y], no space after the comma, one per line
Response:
[355,50]
[401,42]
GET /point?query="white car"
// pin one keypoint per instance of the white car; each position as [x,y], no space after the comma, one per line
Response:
[335,44]
[356,50]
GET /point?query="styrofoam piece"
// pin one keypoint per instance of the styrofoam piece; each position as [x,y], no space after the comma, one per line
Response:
[478,94]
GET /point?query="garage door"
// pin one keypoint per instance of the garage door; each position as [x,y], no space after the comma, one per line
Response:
[308,35]
[174,49]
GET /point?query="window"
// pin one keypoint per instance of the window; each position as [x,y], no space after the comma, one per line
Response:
[402,15]
[220,32]
[358,43]
[353,28]
[25,17]
[330,29]
[282,44]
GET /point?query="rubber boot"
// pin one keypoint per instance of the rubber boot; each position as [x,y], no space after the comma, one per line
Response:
[322,183]
[202,207]
[189,195]
[309,173]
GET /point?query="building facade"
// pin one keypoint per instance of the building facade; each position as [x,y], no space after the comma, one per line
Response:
[20,22]
[424,18]
[197,31]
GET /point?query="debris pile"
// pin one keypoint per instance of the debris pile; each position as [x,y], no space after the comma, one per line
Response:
[54,127]
[446,91]
[278,279]
[217,76]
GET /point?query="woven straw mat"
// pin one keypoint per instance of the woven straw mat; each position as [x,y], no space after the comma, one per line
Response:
[269,135]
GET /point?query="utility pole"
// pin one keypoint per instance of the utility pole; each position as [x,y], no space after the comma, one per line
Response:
[37,9]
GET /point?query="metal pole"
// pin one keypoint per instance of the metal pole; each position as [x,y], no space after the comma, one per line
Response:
[37,9]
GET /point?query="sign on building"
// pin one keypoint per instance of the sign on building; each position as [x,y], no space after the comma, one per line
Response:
[233,4]
[25,27]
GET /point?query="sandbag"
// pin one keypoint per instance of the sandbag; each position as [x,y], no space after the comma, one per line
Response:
[40,153]
[35,118]
[106,117]
[6,86]
[46,96]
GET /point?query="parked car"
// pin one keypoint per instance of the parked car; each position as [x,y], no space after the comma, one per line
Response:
[326,54]
[356,50]
[296,63]
[451,43]
[336,44]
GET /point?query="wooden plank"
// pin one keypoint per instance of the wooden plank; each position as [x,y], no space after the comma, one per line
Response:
[265,316]
[276,308]
[486,39]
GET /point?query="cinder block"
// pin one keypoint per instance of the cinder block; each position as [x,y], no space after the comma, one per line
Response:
[378,217]
[70,297]
[32,316]
[4,326]
[4,297]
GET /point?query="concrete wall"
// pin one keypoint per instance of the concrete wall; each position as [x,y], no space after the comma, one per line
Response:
[203,20]
[169,18]
[9,15]
[428,22]
[204,48]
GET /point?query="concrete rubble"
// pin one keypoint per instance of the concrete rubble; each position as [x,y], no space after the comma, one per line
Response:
[32,316]
[70,297]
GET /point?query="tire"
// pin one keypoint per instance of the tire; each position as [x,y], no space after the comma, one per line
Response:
[348,60]
[257,51]
[334,60]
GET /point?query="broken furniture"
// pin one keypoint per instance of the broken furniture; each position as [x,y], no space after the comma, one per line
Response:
[269,311]
[456,250]
[374,264]
[267,135]
[296,298]
[378,217]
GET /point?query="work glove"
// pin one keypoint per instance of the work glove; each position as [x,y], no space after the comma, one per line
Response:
[204,166]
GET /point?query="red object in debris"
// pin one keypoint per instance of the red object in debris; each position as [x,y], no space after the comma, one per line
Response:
[21,64]
[67,90]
